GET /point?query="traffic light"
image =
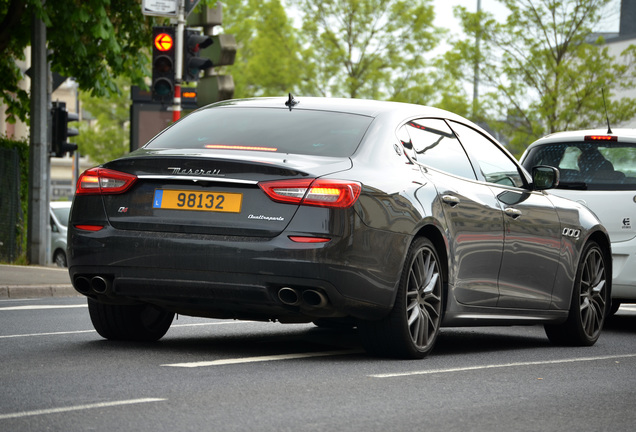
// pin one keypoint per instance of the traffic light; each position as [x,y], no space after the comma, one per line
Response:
[193,63]
[163,63]
[60,130]
[222,50]
[216,87]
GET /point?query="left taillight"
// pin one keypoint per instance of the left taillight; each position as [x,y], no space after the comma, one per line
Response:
[313,192]
[102,181]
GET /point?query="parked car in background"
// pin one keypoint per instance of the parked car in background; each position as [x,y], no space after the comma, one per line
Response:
[392,217]
[59,214]
[598,169]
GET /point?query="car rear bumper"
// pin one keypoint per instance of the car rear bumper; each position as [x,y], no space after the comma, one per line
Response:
[240,277]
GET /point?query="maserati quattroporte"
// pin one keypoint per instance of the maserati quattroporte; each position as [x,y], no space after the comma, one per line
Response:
[394,218]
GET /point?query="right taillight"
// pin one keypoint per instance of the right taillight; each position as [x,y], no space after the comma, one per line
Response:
[318,192]
[102,181]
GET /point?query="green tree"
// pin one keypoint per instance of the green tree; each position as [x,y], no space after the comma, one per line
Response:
[106,134]
[268,56]
[545,70]
[369,48]
[92,41]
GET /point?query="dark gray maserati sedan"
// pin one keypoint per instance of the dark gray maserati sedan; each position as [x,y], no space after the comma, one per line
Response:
[393,218]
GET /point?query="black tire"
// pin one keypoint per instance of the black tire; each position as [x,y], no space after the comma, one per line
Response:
[614,308]
[60,259]
[411,328]
[131,323]
[590,303]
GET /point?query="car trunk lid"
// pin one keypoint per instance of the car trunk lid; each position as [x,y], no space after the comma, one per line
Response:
[209,194]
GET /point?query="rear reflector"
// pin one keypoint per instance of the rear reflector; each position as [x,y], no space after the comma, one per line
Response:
[101,181]
[89,227]
[601,138]
[302,239]
[318,192]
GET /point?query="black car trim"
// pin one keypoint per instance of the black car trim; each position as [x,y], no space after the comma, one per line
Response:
[197,178]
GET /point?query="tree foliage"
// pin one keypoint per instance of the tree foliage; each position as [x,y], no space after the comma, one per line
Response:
[545,69]
[106,134]
[268,56]
[92,41]
[369,48]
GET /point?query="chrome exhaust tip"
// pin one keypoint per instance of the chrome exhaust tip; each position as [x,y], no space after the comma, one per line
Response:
[82,284]
[100,285]
[289,296]
[314,298]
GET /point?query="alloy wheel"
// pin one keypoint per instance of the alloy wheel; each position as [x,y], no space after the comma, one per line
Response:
[423,298]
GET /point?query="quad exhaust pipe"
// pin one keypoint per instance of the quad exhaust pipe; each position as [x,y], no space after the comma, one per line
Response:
[314,298]
[93,285]
[100,285]
[289,296]
[309,297]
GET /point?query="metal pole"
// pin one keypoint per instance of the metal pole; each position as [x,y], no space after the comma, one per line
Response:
[178,75]
[39,163]
[476,66]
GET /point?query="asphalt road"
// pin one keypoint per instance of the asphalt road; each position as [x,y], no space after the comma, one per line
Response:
[218,375]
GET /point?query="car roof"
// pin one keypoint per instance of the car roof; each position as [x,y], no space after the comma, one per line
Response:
[366,107]
[623,135]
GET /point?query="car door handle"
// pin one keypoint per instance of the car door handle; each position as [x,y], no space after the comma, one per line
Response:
[512,212]
[450,200]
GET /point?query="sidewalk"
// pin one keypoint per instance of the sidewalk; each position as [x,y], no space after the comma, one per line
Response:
[21,282]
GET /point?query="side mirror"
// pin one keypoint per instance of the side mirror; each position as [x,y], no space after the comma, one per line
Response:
[544,177]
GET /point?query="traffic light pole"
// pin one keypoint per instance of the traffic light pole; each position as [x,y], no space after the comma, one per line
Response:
[38,244]
[176,103]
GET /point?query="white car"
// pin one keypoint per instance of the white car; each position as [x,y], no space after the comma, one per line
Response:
[59,225]
[598,169]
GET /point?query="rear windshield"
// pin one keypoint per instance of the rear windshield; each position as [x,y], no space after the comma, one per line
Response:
[589,165]
[267,129]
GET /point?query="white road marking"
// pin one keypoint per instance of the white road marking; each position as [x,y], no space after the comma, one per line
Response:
[77,408]
[47,334]
[505,365]
[93,331]
[261,359]
[213,323]
[40,307]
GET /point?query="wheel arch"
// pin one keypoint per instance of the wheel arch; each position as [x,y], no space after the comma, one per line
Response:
[603,241]
[436,237]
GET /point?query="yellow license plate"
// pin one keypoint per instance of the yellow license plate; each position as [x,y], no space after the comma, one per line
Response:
[196,200]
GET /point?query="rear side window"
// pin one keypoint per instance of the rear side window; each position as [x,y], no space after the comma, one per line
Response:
[494,164]
[433,143]
[298,131]
[589,165]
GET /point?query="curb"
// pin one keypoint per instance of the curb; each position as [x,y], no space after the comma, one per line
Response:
[37,291]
